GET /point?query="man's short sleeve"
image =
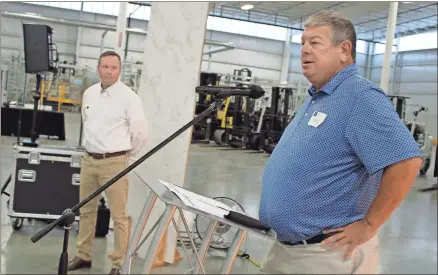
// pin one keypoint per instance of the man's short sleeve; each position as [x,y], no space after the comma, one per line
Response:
[377,134]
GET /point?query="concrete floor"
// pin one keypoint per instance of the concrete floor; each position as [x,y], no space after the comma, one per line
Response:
[408,240]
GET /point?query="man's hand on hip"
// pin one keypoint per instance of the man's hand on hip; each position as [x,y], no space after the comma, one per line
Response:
[350,236]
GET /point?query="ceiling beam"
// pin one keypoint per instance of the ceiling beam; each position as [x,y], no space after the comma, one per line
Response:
[401,23]
[360,9]
[410,32]
[290,7]
[403,12]
[302,18]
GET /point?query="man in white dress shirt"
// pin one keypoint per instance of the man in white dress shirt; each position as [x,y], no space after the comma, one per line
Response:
[115,132]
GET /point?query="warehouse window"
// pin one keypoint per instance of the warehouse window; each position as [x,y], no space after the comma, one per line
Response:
[361,46]
[421,41]
[380,48]
[111,8]
[246,28]
[296,38]
[62,5]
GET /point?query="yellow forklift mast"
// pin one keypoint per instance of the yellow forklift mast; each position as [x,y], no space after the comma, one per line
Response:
[226,121]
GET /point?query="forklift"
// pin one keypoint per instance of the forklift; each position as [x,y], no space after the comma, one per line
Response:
[235,117]
[277,118]
[418,130]
[272,121]
[204,129]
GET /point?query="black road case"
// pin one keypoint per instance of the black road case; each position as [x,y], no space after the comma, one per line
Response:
[45,181]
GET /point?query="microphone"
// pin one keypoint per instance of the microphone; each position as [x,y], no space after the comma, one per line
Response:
[253,91]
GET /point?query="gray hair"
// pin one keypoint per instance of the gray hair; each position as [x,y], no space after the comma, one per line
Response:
[342,28]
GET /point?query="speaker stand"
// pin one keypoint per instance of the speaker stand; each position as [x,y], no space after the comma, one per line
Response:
[36,94]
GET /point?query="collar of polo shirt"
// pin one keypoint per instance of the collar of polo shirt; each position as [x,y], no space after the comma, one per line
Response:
[334,82]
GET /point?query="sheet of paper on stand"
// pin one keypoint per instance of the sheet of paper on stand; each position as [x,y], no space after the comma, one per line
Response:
[199,202]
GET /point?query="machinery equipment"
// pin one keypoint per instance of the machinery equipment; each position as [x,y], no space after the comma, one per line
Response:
[241,121]
[204,129]
[275,114]
[59,91]
[418,130]
[422,137]
[237,116]
[275,119]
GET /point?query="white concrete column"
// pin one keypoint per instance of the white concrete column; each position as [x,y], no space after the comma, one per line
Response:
[394,85]
[390,31]
[286,57]
[121,29]
[79,35]
[172,66]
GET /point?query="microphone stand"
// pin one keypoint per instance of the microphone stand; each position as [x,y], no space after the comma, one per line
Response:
[68,216]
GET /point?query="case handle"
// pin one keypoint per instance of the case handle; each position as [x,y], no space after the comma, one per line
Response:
[76,161]
[34,158]
[76,179]
[27,175]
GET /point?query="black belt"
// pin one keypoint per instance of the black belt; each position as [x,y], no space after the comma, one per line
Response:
[317,239]
[106,155]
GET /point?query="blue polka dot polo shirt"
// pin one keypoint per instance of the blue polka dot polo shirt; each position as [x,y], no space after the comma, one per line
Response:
[327,176]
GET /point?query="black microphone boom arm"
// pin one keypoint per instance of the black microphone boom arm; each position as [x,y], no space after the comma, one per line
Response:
[252,91]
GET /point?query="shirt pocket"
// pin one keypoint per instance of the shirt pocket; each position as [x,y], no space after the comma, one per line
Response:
[87,112]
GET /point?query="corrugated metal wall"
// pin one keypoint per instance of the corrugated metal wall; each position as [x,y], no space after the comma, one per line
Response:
[416,73]
[262,56]
[416,77]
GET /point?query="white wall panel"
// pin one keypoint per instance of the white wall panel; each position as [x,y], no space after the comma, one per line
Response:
[225,68]
[362,70]
[376,75]
[419,57]
[415,88]
[377,60]
[8,52]
[134,56]
[418,74]
[247,42]
[136,42]
[66,48]
[11,26]
[249,58]
[11,42]
[295,50]
[295,65]
[361,59]
[90,52]
[93,37]
[295,77]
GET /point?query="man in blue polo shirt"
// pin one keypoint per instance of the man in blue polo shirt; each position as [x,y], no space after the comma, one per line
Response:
[342,166]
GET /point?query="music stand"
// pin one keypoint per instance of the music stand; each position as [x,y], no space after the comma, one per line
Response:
[173,203]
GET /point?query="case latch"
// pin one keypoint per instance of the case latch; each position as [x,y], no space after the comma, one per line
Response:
[34,158]
[76,161]
[27,175]
[76,179]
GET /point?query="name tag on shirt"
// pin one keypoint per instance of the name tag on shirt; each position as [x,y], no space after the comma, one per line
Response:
[316,119]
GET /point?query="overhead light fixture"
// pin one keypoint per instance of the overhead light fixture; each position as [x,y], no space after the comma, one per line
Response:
[246,7]
[406,2]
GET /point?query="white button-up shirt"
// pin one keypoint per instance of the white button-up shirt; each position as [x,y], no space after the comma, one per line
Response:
[113,120]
